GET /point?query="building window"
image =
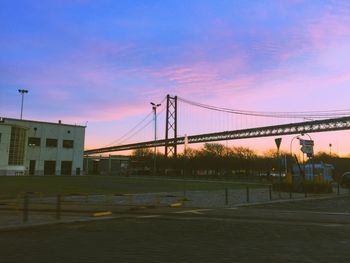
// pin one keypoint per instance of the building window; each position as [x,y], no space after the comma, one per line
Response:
[51,142]
[17,146]
[68,143]
[34,141]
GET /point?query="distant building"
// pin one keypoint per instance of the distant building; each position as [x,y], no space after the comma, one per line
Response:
[106,165]
[318,171]
[40,148]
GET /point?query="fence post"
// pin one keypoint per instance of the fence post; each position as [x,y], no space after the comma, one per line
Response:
[25,208]
[338,189]
[247,194]
[58,207]
[290,194]
[226,196]
[270,192]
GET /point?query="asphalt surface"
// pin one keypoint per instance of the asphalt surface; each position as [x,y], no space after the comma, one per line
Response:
[307,231]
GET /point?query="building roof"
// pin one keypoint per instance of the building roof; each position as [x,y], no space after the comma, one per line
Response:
[3,120]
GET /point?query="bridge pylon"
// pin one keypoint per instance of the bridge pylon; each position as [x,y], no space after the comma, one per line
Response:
[171,126]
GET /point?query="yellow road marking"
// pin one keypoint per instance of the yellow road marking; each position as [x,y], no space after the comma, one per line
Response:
[175,205]
[107,213]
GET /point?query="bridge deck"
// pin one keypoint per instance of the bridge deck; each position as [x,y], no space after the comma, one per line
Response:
[335,124]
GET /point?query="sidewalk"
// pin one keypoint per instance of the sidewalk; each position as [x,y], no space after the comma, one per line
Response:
[46,211]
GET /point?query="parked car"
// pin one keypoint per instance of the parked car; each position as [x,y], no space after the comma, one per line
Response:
[345,180]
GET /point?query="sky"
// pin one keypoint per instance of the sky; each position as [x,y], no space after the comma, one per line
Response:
[100,63]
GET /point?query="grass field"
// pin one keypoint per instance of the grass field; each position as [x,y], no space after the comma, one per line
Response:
[11,186]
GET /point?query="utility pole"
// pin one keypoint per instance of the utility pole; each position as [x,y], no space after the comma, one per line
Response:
[22,91]
[154,108]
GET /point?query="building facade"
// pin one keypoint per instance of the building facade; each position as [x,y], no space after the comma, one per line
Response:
[40,148]
[106,165]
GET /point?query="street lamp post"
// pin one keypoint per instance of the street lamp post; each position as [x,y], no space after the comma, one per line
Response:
[291,143]
[154,108]
[22,91]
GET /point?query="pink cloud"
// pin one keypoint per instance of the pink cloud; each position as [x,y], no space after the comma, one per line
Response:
[97,112]
[316,36]
[197,77]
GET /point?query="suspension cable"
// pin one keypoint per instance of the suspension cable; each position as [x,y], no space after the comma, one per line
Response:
[301,114]
[130,133]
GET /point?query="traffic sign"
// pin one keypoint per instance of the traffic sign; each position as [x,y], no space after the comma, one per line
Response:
[278,142]
[306,142]
[307,146]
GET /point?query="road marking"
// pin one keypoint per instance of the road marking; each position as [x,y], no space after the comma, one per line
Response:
[333,225]
[149,216]
[175,205]
[313,212]
[97,214]
[195,211]
[333,213]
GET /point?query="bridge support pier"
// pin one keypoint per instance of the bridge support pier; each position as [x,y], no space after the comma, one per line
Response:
[171,126]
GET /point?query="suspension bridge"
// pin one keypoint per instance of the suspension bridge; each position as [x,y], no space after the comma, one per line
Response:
[287,123]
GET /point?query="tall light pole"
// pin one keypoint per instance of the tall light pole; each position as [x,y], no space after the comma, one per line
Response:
[22,91]
[154,108]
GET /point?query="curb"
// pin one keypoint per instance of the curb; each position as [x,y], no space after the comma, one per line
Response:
[61,222]
[291,200]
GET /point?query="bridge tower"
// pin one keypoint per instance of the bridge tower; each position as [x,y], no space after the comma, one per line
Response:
[171,126]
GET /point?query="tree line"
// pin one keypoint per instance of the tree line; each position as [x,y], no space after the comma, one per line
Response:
[216,159]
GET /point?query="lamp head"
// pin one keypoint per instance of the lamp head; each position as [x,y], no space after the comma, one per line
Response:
[23,91]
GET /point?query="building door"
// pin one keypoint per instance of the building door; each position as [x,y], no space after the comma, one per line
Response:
[96,167]
[49,167]
[32,167]
[66,168]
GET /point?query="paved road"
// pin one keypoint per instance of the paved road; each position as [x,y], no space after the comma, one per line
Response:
[270,233]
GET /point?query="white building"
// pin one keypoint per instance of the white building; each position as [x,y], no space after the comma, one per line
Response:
[40,148]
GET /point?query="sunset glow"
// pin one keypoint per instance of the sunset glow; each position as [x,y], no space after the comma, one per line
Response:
[101,63]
